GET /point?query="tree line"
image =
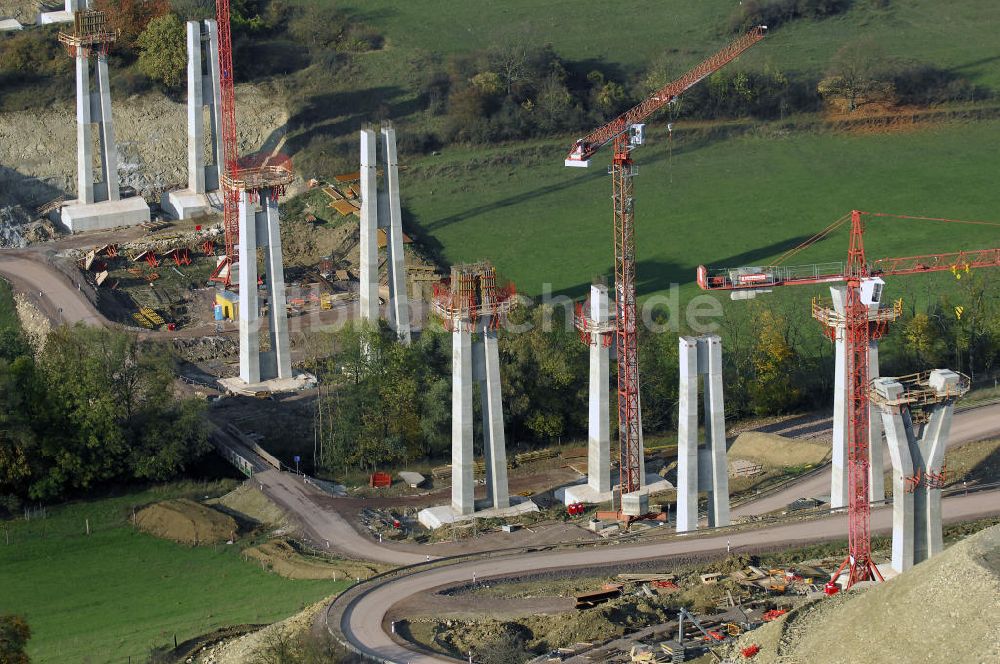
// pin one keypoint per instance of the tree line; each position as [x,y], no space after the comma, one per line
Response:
[392,403]
[91,407]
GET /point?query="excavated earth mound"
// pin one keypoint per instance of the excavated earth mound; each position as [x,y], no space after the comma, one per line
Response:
[283,559]
[187,522]
[946,609]
[777,451]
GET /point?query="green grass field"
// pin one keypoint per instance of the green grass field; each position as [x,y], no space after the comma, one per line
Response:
[729,202]
[118,593]
[957,35]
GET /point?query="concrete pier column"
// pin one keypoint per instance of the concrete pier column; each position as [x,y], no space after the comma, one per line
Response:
[897,432]
[838,461]
[213,97]
[917,466]
[195,110]
[462,480]
[495,449]
[109,148]
[277,312]
[599,418]
[84,137]
[929,541]
[876,447]
[399,305]
[249,309]
[369,228]
[687,436]
[706,469]
[715,430]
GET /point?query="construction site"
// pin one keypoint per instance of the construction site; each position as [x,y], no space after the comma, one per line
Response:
[392,416]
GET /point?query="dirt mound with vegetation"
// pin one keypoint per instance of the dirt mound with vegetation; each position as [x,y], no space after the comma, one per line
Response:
[246,502]
[187,522]
[778,451]
[943,610]
[284,559]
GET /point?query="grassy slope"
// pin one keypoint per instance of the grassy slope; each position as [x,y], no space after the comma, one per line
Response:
[119,592]
[956,34]
[731,202]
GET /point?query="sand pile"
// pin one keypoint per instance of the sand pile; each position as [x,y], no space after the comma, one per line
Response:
[187,522]
[777,451]
[944,610]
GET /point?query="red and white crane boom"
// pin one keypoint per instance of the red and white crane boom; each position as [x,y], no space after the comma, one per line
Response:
[864,288]
[626,131]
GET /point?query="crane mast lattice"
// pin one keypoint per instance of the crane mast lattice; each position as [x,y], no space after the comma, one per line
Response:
[626,132]
[864,288]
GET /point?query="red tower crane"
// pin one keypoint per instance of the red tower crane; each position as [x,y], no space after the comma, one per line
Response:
[864,288]
[272,172]
[626,132]
[229,159]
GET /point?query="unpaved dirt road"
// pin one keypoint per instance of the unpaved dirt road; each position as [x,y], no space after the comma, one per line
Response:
[60,301]
[967,426]
[366,618]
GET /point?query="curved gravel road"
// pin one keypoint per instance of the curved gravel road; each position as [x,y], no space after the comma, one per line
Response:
[365,620]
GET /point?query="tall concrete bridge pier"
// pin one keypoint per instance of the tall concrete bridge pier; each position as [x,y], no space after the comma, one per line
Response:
[471,302]
[99,204]
[701,469]
[833,318]
[916,413]
[204,93]
[382,210]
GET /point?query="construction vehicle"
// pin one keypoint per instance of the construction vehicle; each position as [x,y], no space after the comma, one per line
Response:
[626,132]
[864,290]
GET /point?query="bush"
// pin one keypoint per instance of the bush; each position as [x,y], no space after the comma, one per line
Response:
[163,50]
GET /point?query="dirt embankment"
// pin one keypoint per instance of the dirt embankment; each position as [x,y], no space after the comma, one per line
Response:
[187,522]
[38,147]
[778,451]
[944,610]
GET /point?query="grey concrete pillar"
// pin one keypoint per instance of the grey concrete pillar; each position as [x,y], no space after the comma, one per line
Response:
[213,97]
[701,470]
[687,436]
[277,314]
[495,449]
[399,305]
[838,461]
[599,418]
[839,475]
[369,229]
[897,425]
[715,430]
[462,480]
[876,446]
[916,460]
[929,541]
[109,148]
[195,110]
[249,310]
[84,137]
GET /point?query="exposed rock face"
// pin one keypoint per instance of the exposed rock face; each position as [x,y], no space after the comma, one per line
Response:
[38,147]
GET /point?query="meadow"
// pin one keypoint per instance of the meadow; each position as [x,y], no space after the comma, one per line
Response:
[722,203]
[114,595]
[628,35]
